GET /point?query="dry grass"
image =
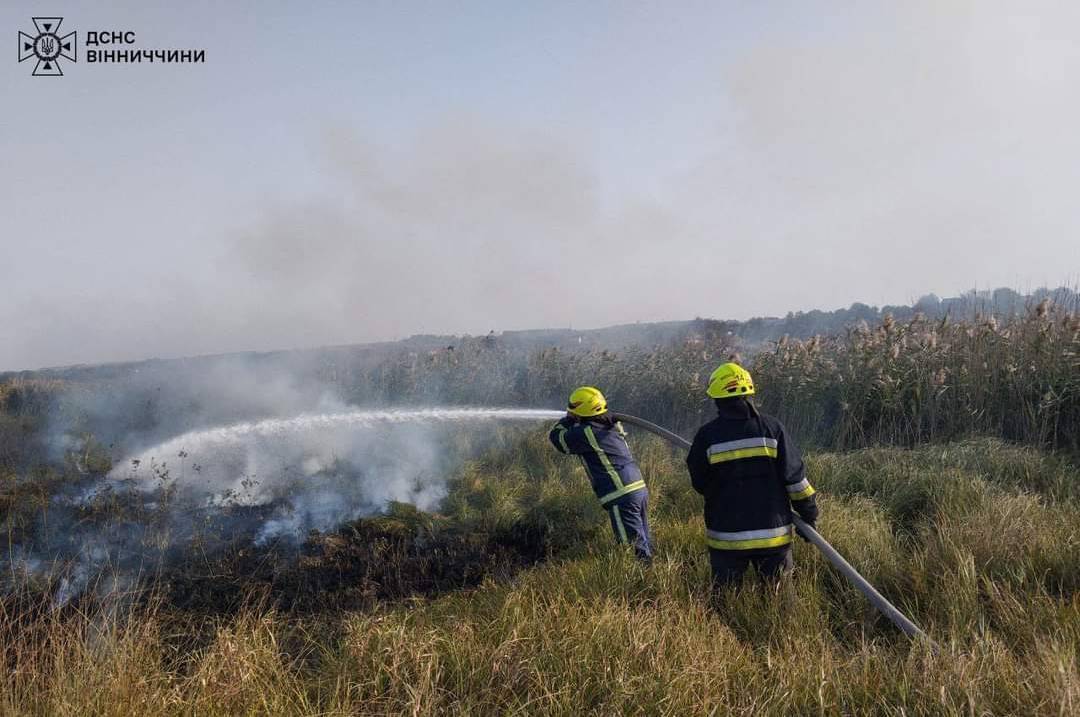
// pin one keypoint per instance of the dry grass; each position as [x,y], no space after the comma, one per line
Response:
[896,383]
[512,600]
[958,535]
[932,381]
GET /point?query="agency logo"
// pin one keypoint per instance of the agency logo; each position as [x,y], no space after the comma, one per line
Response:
[48,46]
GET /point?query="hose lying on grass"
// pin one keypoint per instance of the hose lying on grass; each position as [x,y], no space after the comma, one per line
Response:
[876,599]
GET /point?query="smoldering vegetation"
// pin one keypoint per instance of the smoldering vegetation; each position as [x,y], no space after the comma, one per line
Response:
[131,471]
[258,505]
[120,483]
[254,577]
[327,543]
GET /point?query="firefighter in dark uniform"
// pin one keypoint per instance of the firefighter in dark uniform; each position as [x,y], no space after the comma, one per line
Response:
[752,477]
[599,441]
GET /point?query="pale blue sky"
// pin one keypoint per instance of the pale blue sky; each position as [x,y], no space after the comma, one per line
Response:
[342,172]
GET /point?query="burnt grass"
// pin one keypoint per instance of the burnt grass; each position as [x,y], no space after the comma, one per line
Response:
[157,549]
[403,554]
[359,566]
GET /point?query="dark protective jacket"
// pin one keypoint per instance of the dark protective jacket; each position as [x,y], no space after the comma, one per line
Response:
[601,445]
[751,475]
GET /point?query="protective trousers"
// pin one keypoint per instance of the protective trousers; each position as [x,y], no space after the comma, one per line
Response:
[728,566]
[630,522]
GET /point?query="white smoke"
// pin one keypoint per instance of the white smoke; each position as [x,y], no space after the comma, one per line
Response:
[269,480]
[316,470]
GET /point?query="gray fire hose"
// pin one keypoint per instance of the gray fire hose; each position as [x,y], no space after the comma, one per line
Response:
[876,599]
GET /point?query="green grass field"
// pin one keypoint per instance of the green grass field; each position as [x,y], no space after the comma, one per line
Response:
[979,542]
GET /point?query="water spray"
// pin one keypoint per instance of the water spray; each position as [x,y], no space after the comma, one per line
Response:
[862,584]
[272,428]
[271,481]
[316,469]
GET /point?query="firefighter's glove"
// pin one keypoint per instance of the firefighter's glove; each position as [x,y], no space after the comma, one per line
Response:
[801,534]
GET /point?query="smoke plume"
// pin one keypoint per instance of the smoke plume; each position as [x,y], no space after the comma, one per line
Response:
[179,457]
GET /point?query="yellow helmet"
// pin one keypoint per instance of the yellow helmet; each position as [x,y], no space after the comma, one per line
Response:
[730,380]
[586,402]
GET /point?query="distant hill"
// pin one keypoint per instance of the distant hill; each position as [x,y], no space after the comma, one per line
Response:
[747,336]
[1000,302]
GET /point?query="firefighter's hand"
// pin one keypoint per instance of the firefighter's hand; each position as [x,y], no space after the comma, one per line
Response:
[802,535]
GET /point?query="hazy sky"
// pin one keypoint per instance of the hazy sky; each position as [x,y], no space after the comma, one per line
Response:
[355,171]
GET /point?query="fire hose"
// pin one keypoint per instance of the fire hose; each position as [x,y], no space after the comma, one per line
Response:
[876,599]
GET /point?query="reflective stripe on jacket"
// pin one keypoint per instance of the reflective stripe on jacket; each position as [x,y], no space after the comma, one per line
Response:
[751,476]
[601,446]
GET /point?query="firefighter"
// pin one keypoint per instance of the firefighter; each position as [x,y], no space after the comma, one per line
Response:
[588,432]
[752,476]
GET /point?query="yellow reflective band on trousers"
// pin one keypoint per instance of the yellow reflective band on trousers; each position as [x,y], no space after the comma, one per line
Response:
[801,490]
[748,539]
[604,461]
[618,523]
[636,485]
